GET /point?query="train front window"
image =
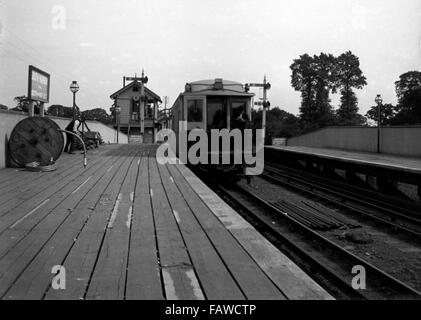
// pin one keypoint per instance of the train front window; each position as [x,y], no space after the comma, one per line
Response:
[238,114]
[216,114]
[194,110]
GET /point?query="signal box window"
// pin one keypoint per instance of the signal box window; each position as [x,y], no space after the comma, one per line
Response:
[135,116]
[135,110]
[194,110]
[149,112]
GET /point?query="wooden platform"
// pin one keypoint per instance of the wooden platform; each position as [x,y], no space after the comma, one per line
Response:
[126,227]
[400,163]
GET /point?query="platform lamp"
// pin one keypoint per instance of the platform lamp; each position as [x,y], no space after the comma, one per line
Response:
[74,87]
[379,102]
[117,112]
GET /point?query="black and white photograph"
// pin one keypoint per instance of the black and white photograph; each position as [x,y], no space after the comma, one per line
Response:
[231,152]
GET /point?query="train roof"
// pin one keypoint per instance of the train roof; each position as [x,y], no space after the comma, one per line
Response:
[217,86]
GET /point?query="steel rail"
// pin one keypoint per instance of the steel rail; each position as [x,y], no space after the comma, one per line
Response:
[373,198]
[342,195]
[383,286]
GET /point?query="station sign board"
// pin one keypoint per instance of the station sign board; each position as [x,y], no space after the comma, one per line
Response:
[38,85]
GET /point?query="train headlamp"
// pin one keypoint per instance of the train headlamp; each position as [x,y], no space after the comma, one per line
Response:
[218,85]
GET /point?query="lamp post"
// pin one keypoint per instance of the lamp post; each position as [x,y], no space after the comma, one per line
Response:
[117,111]
[74,87]
[379,102]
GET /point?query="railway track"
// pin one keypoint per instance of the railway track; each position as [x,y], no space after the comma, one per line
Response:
[324,259]
[397,214]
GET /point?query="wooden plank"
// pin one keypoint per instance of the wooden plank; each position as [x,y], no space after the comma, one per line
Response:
[215,278]
[19,192]
[21,177]
[293,282]
[174,258]
[253,281]
[21,227]
[17,178]
[82,257]
[29,204]
[176,279]
[143,269]
[63,171]
[36,277]
[109,278]
[170,243]
[47,244]
[16,213]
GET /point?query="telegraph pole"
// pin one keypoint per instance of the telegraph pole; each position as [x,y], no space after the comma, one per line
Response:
[165,110]
[165,104]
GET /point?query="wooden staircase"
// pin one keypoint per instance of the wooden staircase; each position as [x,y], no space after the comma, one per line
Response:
[134,136]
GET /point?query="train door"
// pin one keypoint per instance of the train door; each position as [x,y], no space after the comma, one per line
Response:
[194,112]
[175,111]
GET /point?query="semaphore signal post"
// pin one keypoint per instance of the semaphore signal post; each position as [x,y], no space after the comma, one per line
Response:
[266,104]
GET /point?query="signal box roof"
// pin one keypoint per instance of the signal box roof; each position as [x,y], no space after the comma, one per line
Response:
[149,93]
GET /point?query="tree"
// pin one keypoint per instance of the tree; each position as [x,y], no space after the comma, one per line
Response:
[60,111]
[314,78]
[408,91]
[325,67]
[303,79]
[279,123]
[348,75]
[97,114]
[22,104]
[387,114]
[407,82]
[3,107]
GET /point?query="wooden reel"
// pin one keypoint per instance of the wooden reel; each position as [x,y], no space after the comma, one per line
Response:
[36,139]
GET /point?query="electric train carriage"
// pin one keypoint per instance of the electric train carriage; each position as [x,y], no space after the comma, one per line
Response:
[214,104]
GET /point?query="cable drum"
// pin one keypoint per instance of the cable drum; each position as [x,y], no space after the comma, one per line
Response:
[36,140]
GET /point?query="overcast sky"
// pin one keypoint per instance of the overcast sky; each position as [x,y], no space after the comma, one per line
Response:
[179,41]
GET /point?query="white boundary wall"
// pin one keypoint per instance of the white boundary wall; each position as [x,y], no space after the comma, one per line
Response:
[398,140]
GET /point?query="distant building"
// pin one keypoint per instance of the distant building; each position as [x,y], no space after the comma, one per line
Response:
[138,116]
